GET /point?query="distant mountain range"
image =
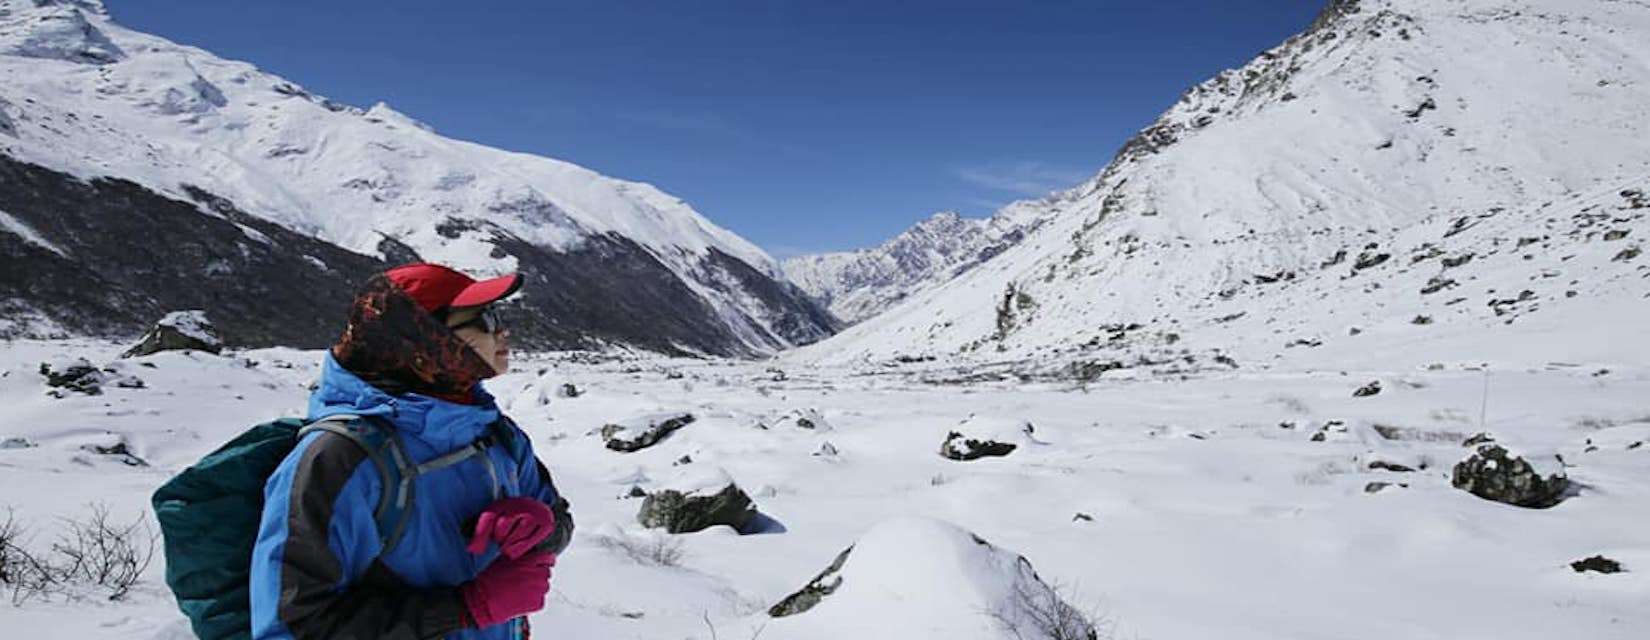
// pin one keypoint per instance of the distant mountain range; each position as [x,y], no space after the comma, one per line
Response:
[856,285]
[138,176]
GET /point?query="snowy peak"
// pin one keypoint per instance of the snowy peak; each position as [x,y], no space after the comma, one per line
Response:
[857,285]
[56,30]
[1306,173]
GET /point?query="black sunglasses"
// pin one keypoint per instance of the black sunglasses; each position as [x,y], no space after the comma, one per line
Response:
[487,321]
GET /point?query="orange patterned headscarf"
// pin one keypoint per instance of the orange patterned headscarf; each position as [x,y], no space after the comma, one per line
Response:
[394,344]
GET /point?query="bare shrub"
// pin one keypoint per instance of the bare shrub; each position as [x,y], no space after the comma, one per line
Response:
[97,551]
[1043,611]
[11,537]
[92,553]
[657,549]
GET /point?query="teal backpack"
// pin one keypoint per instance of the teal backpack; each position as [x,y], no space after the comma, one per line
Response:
[209,514]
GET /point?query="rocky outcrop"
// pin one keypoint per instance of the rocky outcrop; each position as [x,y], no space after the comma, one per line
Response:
[179,331]
[1494,474]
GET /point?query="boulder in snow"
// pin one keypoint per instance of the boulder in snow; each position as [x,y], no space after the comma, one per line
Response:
[1373,388]
[568,390]
[981,436]
[642,432]
[962,448]
[697,499]
[1492,473]
[178,331]
[1598,564]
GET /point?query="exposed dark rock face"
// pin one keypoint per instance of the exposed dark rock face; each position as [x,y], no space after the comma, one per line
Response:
[1373,388]
[799,320]
[1493,474]
[123,255]
[129,255]
[687,512]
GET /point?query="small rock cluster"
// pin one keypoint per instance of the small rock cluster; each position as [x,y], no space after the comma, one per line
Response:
[1494,474]
[79,375]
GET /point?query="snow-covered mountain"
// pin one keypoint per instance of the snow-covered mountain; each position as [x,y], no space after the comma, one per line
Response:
[1467,176]
[608,261]
[856,285]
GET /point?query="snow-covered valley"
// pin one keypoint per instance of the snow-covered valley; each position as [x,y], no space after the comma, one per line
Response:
[1223,389]
[1232,505]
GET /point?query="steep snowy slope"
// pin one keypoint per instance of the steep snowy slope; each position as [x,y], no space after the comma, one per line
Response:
[1471,172]
[82,95]
[856,285]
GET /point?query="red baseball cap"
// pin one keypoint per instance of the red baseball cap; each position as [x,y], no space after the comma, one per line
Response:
[435,287]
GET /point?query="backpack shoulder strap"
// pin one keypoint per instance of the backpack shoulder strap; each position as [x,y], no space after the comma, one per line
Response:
[505,432]
[395,470]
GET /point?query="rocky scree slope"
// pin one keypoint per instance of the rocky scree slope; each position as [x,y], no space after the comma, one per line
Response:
[90,110]
[1464,174]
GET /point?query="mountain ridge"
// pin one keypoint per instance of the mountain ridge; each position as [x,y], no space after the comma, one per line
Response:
[1325,153]
[91,99]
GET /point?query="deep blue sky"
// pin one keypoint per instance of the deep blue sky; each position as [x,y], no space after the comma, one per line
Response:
[804,126]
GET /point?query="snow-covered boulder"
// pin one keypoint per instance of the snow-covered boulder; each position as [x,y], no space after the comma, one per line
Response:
[568,390]
[641,432]
[1491,473]
[979,437]
[913,577]
[178,331]
[696,499]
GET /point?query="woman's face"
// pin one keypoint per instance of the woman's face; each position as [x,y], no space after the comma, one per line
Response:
[494,348]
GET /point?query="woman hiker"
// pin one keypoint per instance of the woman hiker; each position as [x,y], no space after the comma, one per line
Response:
[481,522]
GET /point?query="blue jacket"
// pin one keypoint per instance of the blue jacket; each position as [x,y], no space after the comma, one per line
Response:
[317,571]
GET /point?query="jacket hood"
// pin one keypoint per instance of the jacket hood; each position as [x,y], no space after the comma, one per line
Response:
[444,424]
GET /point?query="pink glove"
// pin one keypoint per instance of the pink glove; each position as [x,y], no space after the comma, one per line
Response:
[508,589]
[516,524]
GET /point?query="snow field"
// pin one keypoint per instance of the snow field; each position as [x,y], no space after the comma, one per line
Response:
[1200,516]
